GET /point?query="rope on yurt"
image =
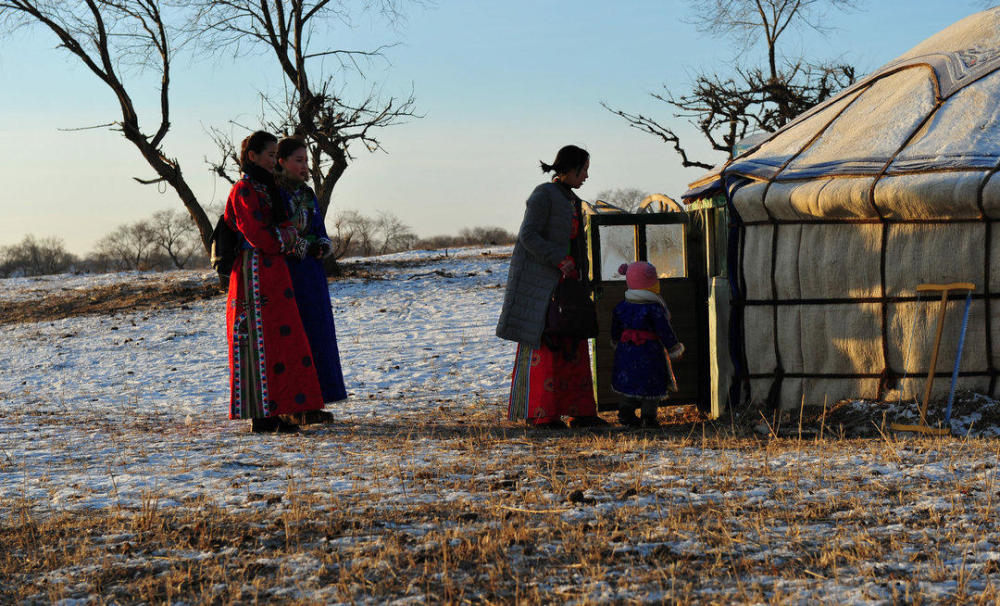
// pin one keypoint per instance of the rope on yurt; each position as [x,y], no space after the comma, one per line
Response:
[774,393]
[893,221]
[890,378]
[909,342]
[855,300]
[987,294]
[869,375]
[773,400]
[738,289]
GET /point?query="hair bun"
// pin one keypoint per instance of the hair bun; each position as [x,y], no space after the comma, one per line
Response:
[623,268]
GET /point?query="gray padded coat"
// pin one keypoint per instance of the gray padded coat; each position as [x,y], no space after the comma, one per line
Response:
[542,243]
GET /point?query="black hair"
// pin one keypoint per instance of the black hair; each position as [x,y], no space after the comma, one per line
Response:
[255,143]
[569,158]
[289,145]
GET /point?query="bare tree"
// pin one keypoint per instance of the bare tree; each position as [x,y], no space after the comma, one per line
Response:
[728,108]
[361,230]
[625,198]
[174,235]
[111,38]
[131,246]
[314,105]
[393,233]
[35,257]
[342,235]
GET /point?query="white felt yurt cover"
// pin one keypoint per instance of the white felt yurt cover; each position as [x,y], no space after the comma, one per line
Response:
[844,211]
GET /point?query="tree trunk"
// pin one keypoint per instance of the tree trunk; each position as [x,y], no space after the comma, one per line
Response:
[171,173]
[324,186]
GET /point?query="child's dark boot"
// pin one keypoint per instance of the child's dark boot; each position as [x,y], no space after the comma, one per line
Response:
[626,416]
[648,420]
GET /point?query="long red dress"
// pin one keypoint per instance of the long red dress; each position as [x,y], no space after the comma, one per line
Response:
[547,384]
[270,364]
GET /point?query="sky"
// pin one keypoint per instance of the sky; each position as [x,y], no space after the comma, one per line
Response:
[499,86]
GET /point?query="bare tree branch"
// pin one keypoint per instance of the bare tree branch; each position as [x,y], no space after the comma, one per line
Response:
[229,154]
[727,109]
[650,126]
[149,181]
[103,35]
[313,106]
[81,128]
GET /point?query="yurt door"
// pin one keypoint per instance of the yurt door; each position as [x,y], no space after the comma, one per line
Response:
[674,244]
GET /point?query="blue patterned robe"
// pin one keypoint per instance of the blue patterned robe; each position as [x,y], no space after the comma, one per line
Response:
[312,292]
[640,371]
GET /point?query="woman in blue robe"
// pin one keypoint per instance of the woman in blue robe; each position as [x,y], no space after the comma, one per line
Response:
[305,264]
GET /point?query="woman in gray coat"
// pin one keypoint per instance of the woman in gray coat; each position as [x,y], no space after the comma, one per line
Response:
[552,376]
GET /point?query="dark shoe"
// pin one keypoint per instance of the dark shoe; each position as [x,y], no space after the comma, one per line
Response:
[591,421]
[286,427]
[626,416]
[649,422]
[555,424]
[310,417]
[264,425]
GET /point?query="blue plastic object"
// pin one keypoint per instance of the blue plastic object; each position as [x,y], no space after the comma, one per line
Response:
[958,359]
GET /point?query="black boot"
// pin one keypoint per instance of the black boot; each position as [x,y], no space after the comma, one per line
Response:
[588,421]
[553,424]
[316,416]
[648,417]
[649,421]
[264,425]
[286,426]
[272,425]
[626,416]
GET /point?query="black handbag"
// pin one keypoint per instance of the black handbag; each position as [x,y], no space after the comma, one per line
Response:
[225,246]
[571,312]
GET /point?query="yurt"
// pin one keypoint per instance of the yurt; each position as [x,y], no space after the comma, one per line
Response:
[837,218]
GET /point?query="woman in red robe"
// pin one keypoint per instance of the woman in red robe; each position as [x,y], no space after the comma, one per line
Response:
[270,363]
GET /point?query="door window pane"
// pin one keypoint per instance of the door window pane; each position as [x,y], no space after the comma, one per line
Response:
[617,247]
[665,249]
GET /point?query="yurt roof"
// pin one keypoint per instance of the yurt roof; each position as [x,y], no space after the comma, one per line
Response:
[936,108]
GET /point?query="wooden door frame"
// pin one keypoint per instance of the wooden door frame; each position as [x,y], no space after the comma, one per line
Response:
[696,271]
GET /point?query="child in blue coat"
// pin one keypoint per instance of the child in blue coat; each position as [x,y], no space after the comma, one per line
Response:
[643,339]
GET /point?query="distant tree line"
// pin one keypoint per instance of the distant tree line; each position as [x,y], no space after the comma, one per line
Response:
[170,240]
[35,257]
[469,236]
[167,240]
[625,198]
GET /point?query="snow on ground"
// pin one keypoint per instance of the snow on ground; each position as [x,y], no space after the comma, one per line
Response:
[413,337]
[112,413]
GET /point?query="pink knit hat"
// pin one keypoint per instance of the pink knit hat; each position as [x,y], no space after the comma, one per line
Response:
[639,275]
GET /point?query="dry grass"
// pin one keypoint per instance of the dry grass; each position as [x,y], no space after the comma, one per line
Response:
[690,514]
[139,295]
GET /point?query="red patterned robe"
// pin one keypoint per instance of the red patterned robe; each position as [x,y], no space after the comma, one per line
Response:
[549,384]
[270,363]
